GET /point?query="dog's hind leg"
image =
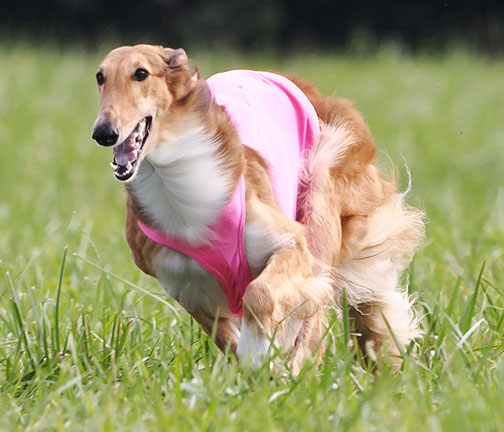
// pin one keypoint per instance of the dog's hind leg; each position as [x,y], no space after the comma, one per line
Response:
[357,224]
[384,326]
[377,249]
[309,342]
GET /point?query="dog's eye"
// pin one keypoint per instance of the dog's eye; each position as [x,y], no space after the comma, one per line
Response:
[100,79]
[140,74]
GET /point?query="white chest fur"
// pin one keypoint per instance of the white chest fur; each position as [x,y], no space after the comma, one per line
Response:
[182,185]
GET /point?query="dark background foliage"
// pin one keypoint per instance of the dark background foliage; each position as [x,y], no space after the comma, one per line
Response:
[259,24]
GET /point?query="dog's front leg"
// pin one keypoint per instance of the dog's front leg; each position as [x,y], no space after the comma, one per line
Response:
[224,330]
[279,300]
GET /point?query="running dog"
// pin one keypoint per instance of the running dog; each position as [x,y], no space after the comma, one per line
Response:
[256,202]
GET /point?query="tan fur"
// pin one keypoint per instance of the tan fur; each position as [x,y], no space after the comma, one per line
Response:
[354,231]
[375,234]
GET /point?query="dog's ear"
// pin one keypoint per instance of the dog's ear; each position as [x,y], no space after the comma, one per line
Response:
[182,73]
[175,58]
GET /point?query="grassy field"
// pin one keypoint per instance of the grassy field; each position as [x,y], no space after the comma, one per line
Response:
[89,343]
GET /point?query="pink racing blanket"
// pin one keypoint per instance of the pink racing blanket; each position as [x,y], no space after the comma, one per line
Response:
[275,118]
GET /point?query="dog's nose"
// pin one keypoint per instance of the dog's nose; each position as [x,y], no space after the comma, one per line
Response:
[105,134]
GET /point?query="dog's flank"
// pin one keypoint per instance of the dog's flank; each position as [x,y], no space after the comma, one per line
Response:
[353,230]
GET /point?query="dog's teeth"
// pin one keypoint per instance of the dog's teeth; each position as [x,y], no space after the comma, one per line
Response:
[129,166]
[113,165]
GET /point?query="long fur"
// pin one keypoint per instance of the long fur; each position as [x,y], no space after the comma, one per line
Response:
[353,232]
[184,185]
[373,258]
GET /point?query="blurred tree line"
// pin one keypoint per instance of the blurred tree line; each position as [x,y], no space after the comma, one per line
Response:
[258,24]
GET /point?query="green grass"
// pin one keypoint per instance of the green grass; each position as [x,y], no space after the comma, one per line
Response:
[92,344]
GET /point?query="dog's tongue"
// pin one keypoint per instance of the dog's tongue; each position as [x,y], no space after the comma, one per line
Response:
[125,152]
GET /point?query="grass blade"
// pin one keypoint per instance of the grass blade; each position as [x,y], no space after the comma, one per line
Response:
[394,337]
[346,321]
[453,297]
[466,318]
[58,294]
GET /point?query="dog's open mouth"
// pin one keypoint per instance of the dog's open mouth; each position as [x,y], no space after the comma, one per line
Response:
[127,153]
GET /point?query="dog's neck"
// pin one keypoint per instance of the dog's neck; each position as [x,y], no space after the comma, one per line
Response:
[183,184]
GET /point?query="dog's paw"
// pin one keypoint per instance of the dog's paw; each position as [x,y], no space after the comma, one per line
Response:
[252,347]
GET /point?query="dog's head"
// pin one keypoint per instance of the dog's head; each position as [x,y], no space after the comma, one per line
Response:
[138,86]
